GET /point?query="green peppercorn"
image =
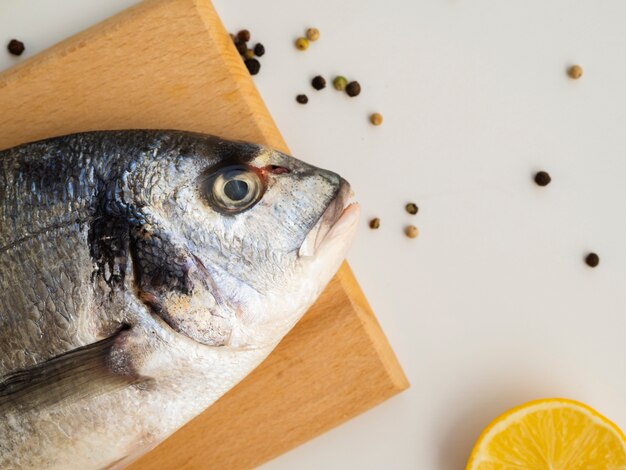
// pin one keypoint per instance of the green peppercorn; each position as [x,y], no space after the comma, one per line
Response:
[302,44]
[318,82]
[340,83]
[302,99]
[249,54]
[353,89]
[411,208]
[259,49]
[253,66]
[243,35]
[375,223]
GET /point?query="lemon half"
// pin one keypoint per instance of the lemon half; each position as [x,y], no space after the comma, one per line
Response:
[550,434]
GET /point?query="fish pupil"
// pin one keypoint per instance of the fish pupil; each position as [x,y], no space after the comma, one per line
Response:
[236,190]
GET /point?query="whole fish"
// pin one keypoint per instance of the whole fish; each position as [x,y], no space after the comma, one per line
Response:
[142,275]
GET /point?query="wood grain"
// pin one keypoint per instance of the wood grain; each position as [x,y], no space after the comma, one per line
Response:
[170,64]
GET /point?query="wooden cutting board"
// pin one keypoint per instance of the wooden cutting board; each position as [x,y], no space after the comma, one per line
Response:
[171,64]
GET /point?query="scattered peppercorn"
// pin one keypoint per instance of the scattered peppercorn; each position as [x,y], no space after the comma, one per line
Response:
[16,47]
[243,35]
[302,44]
[340,83]
[575,72]
[542,178]
[376,119]
[375,223]
[241,47]
[411,231]
[259,50]
[411,208]
[302,99]
[318,82]
[253,66]
[248,54]
[353,89]
[592,260]
[313,34]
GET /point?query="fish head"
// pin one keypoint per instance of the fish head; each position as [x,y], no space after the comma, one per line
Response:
[251,235]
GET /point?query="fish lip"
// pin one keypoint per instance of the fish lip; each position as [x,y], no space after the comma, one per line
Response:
[336,210]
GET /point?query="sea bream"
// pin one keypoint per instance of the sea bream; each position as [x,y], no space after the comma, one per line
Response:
[142,275]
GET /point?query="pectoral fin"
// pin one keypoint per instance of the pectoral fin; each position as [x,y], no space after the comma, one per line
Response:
[78,374]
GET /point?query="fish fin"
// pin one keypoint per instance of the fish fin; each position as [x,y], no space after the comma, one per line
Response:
[82,373]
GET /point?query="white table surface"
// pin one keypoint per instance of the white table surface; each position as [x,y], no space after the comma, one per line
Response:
[492,305]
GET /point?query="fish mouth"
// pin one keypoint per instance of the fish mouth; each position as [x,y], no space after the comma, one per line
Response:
[341,208]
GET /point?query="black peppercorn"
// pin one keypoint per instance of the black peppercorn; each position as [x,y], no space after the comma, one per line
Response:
[318,82]
[353,89]
[592,260]
[259,50]
[243,35]
[241,47]
[16,47]
[375,223]
[542,178]
[302,99]
[253,66]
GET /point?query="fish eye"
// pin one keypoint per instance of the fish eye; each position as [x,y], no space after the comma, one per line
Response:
[236,190]
[233,189]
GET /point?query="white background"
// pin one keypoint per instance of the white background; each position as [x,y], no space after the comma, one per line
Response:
[492,305]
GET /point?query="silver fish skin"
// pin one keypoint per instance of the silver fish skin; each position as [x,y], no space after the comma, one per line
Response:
[144,273]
